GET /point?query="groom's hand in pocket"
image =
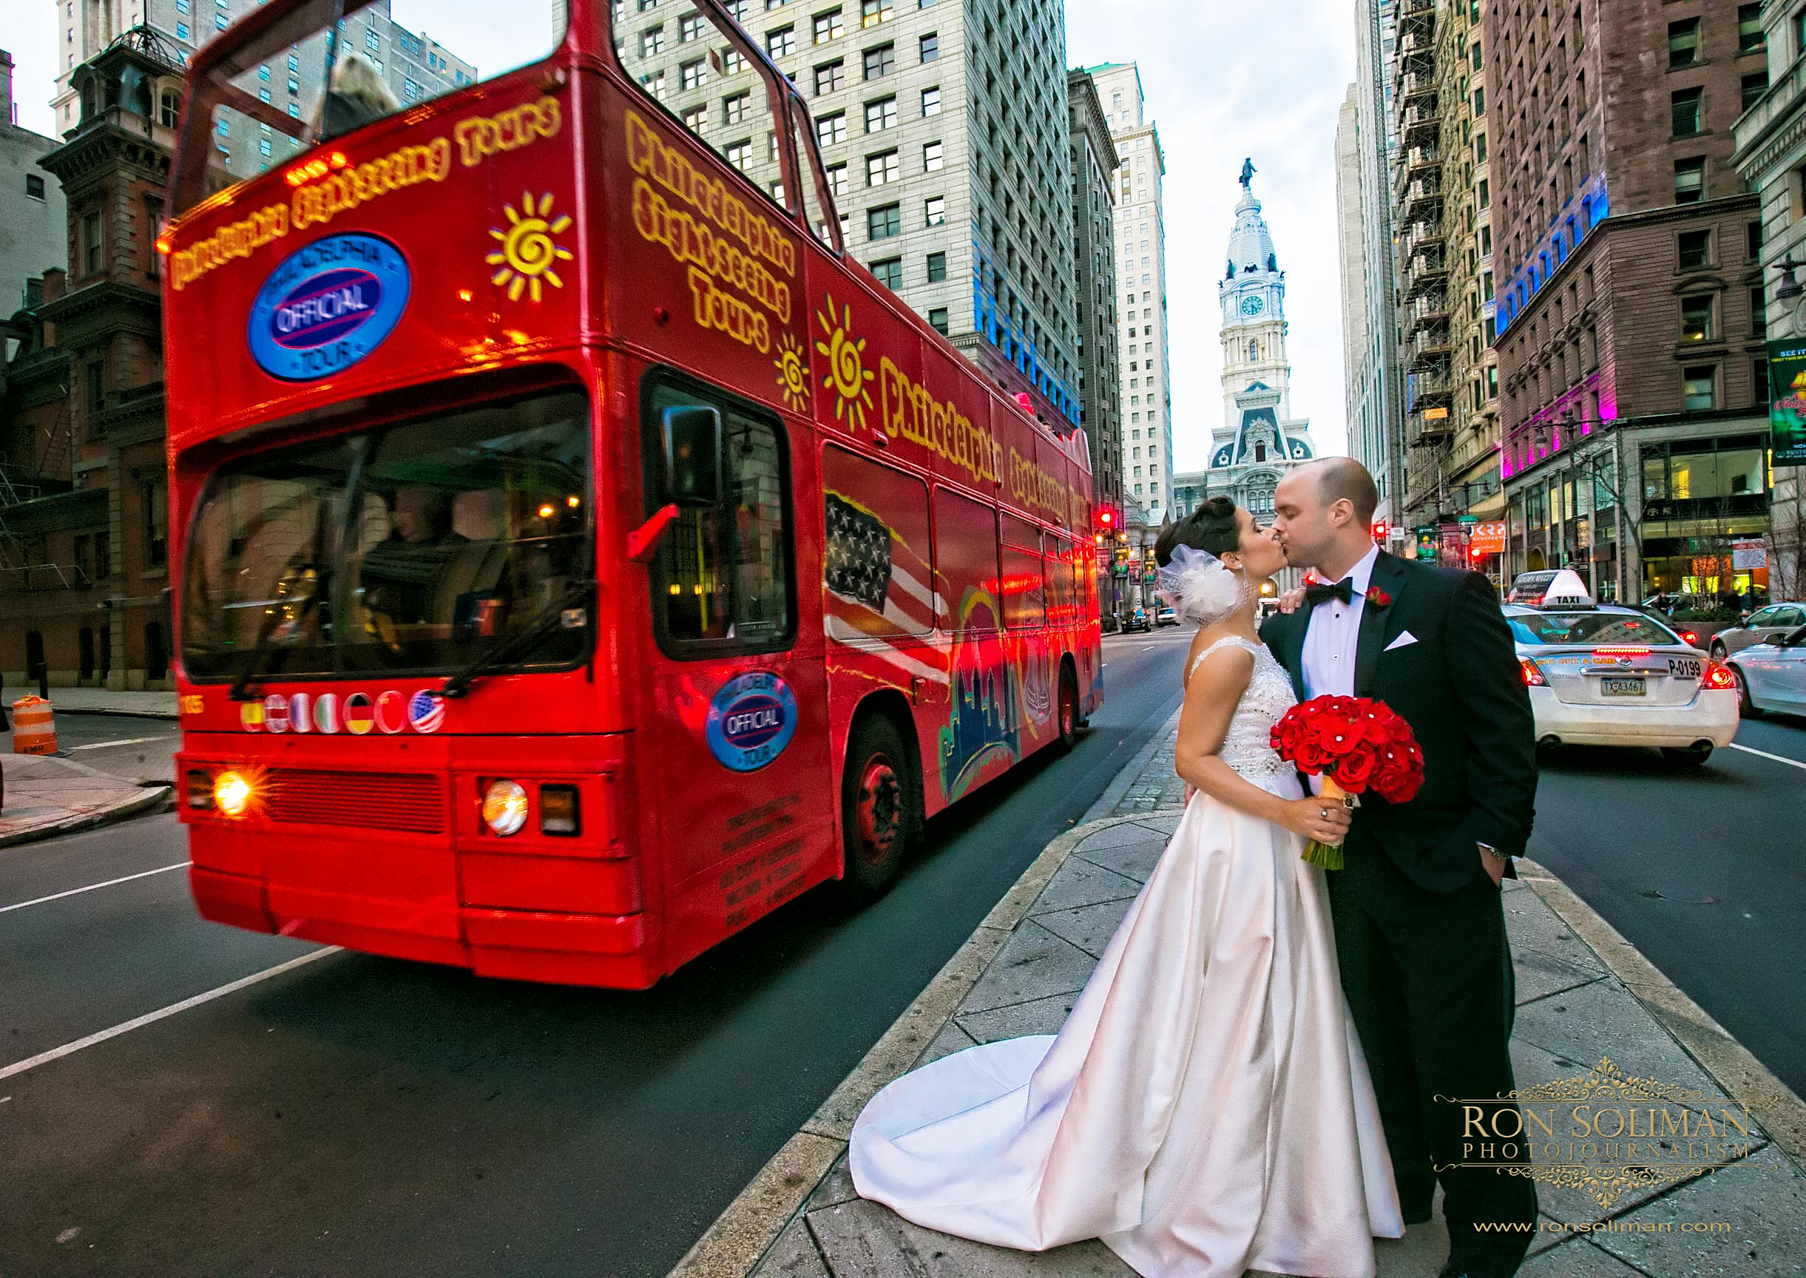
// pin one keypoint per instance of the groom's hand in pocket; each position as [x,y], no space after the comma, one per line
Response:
[1493,863]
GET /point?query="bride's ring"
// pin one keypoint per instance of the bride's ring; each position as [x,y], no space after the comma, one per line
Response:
[1323,813]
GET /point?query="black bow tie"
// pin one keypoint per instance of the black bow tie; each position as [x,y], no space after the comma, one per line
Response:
[1320,593]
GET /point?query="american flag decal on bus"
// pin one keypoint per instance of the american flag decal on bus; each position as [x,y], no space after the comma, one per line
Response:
[858,561]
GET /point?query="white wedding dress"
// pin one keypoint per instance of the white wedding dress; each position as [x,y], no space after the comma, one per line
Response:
[1206,1108]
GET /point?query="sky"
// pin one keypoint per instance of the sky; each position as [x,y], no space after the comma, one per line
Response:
[1225,79]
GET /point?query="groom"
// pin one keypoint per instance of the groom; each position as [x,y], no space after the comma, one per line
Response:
[1420,930]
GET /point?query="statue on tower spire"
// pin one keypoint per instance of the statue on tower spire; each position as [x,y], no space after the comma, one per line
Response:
[1248,172]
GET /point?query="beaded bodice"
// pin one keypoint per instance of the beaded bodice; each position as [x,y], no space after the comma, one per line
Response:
[1247,746]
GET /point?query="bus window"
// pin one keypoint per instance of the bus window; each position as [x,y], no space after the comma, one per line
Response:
[723,575]
[877,554]
[695,71]
[1061,593]
[965,561]
[1022,588]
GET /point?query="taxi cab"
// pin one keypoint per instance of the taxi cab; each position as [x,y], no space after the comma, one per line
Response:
[1601,674]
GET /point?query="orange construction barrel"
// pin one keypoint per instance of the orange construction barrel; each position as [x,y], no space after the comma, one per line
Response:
[34,730]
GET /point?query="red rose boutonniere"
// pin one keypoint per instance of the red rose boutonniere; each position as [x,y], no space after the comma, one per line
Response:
[1379,598]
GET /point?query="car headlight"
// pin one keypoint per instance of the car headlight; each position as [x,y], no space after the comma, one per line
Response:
[505,808]
[231,793]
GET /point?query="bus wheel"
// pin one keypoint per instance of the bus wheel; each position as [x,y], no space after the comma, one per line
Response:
[876,806]
[1068,710]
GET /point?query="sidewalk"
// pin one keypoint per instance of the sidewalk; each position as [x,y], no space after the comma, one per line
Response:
[154,705]
[1583,994]
[48,796]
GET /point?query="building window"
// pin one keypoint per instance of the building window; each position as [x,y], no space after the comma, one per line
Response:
[94,387]
[781,43]
[1750,38]
[872,12]
[827,77]
[937,320]
[1695,250]
[263,73]
[931,47]
[294,62]
[1699,388]
[932,160]
[155,499]
[937,268]
[263,95]
[889,272]
[34,185]
[830,129]
[263,147]
[828,26]
[91,243]
[1683,42]
[652,41]
[739,154]
[294,110]
[689,27]
[1758,313]
[934,210]
[840,185]
[931,102]
[655,84]
[181,30]
[880,115]
[884,222]
[880,61]
[733,108]
[1752,236]
[1754,86]
[883,168]
[373,42]
[696,119]
[1690,180]
[1685,108]
[692,75]
[1759,381]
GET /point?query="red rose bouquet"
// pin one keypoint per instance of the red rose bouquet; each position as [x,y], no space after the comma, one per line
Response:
[1357,745]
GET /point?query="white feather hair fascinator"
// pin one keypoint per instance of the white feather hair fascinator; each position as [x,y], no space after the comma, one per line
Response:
[1198,586]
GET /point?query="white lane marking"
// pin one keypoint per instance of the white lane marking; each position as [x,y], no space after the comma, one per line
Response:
[149,1018]
[57,896]
[1764,754]
[107,745]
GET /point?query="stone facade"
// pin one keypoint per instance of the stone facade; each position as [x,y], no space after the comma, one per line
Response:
[1630,336]
[33,225]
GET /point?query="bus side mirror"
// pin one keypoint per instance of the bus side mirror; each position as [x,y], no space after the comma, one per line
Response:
[692,437]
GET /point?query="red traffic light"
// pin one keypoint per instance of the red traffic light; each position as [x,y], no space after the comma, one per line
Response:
[1474,552]
[1379,530]
[1106,517]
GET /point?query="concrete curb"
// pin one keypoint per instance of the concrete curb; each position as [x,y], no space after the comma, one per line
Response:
[169,715]
[742,1234]
[1729,1063]
[151,799]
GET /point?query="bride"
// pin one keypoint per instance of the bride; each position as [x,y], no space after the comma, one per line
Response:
[1206,1108]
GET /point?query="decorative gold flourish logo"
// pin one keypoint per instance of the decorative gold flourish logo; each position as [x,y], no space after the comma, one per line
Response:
[792,364]
[528,253]
[1607,1134]
[847,374]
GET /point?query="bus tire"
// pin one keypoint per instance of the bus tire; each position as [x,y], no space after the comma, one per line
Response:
[1066,712]
[877,808]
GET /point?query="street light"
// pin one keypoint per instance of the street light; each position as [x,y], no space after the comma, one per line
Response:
[1790,287]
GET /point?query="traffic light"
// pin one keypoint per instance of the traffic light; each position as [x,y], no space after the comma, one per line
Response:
[1379,531]
[1106,518]
[1475,553]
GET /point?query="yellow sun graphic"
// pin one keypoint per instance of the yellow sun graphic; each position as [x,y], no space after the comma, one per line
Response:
[528,254]
[847,373]
[793,373]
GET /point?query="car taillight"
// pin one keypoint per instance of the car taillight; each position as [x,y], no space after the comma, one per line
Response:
[1718,678]
[1689,638]
[1533,677]
[1619,651]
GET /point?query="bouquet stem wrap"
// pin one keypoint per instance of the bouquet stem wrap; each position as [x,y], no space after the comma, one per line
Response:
[1329,855]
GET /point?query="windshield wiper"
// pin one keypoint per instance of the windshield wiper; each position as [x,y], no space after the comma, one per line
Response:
[255,670]
[511,652]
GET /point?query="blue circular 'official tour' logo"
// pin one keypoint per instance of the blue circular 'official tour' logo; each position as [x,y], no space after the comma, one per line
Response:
[327,306]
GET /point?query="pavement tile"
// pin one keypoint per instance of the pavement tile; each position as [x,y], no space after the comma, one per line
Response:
[1576,1258]
[1421,1253]
[1114,836]
[951,1039]
[1766,1211]
[1165,823]
[837,1187]
[1032,964]
[1548,956]
[1082,883]
[1132,860]
[1090,926]
[865,1240]
[793,1256]
[1038,1016]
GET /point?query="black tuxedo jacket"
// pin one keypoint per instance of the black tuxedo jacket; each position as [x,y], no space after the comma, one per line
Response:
[1460,688]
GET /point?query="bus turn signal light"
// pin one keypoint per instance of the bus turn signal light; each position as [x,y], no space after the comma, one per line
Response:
[1533,677]
[558,812]
[231,793]
[505,808]
[1718,678]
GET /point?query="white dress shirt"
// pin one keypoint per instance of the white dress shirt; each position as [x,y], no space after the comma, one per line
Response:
[1330,638]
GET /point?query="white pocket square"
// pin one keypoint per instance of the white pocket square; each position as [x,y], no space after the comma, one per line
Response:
[1405,640]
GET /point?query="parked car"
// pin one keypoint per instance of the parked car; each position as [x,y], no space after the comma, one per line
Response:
[1765,623]
[1137,619]
[1603,674]
[1165,616]
[1771,675]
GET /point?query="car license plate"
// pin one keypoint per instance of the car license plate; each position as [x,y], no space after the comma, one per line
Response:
[1622,687]
[1684,667]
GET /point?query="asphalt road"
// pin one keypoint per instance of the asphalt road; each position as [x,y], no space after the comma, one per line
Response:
[357,1115]
[1701,869]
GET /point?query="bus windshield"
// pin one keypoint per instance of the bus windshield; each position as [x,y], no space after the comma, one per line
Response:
[282,79]
[410,548]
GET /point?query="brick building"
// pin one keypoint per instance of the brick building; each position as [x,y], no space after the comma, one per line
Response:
[87,550]
[1627,261]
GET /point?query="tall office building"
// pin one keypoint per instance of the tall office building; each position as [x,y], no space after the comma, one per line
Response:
[1094,164]
[413,66]
[943,129]
[1144,368]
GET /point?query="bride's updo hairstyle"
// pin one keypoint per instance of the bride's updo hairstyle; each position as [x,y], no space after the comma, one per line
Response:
[1212,528]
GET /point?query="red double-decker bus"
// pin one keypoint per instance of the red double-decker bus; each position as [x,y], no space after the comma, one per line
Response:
[579,555]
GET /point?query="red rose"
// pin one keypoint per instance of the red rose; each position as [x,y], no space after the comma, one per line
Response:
[1378,598]
[1310,756]
[1354,770]
[1336,737]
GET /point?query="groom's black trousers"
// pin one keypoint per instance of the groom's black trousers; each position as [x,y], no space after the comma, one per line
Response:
[1429,980]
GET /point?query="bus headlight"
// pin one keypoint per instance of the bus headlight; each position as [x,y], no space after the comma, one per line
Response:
[505,808]
[231,793]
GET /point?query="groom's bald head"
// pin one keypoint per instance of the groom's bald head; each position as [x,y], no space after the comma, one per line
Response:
[1345,479]
[1323,512]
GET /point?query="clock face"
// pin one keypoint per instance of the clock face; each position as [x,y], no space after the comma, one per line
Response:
[1253,305]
